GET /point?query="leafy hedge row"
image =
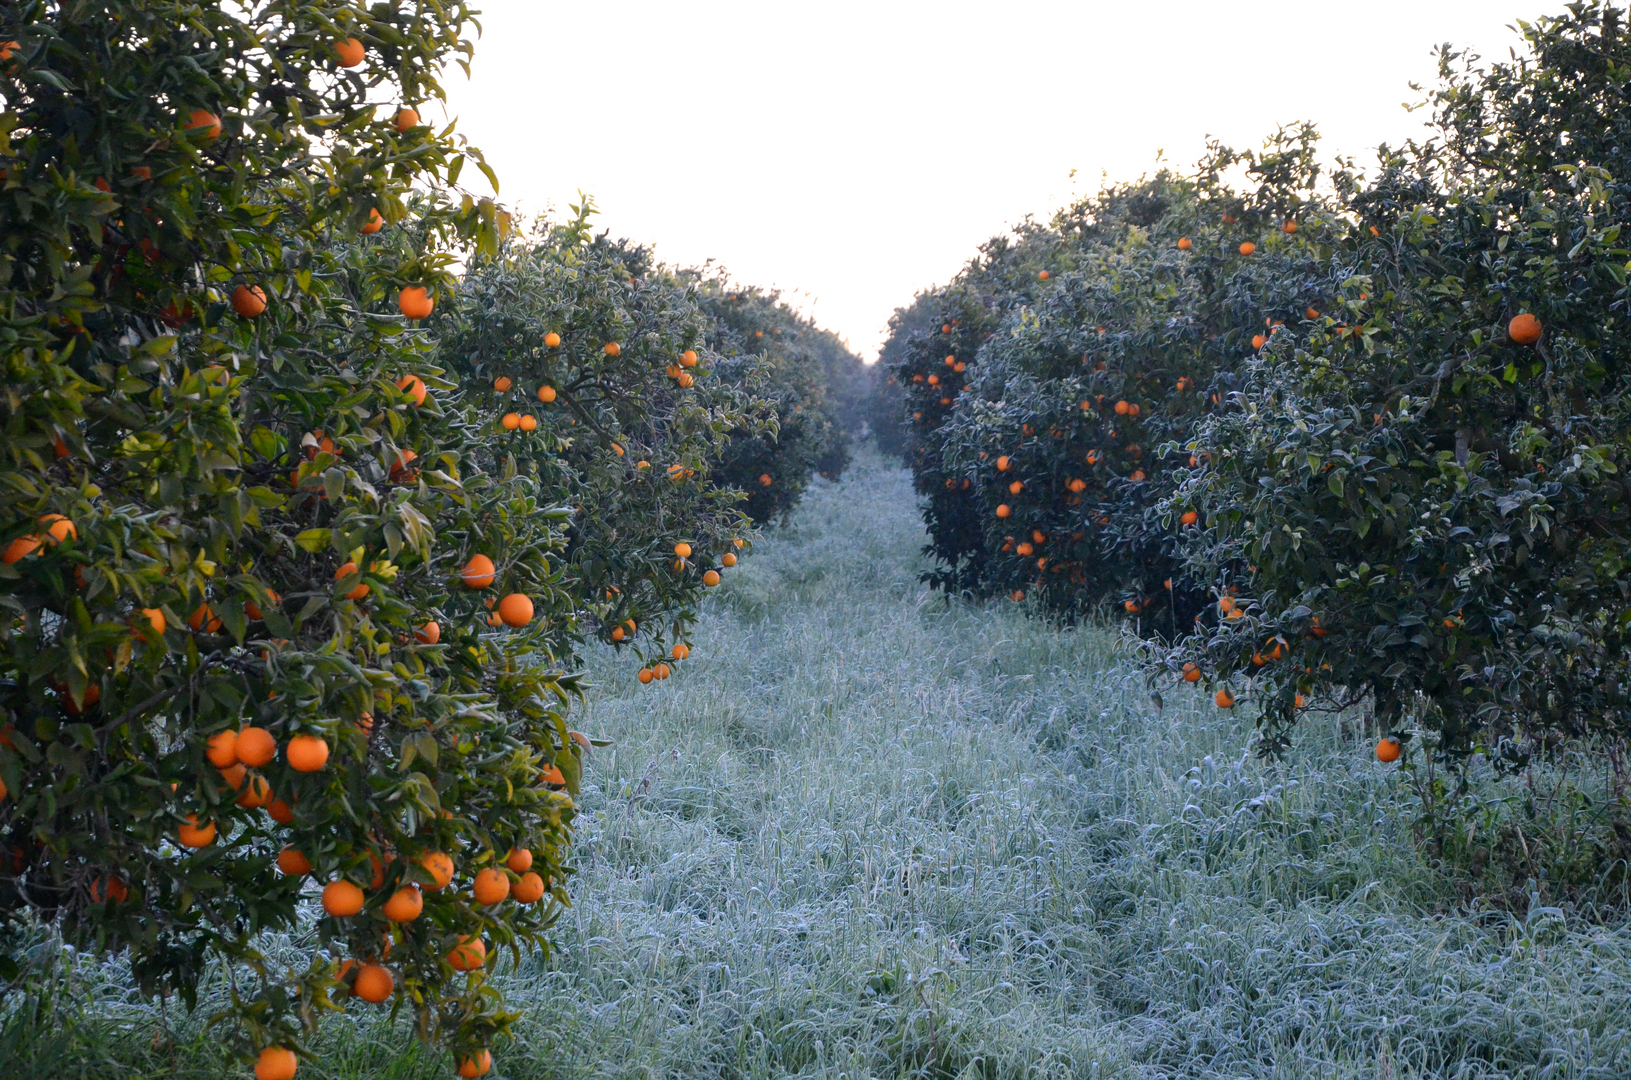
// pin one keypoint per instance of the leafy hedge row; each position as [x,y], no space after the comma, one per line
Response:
[1328,440]
[296,549]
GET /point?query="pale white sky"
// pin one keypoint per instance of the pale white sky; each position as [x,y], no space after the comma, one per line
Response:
[853,153]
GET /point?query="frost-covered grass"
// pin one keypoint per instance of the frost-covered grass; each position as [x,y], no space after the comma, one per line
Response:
[867,833]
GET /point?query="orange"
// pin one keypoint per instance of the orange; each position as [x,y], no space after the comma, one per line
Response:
[511,421]
[255,747]
[689,359]
[359,590]
[478,1065]
[429,634]
[478,573]
[492,886]
[405,905]
[221,749]
[646,676]
[1192,673]
[1226,604]
[253,610]
[406,119]
[529,423]
[1224,699]
[711,578]
[1289,227]
[764,479]
[728,559]
[662,671]
[502,384]
[306,753]
[373,983]
[416,302]
[1016,487]
[1184,243]
[342,898]
[1017,595]
[252,795]
[440,868]
[1524,329]
[613,348]
[1310,313]
[515,609]
[1043,276]
[519,860]
[1190,517]
[194,835]
[292,862]
[373,225]
[618,633]
[552,339]
[203,125]
[1315,628]
[350,52]
[1131,606]
[413,385]
[280,811]
[248,301]
[276,1063]
[1248,248]
[1003,510]
[1300,701]
[1004,463]
[1388,749]
[682,549]
[108,888]
[468,955]
[60,529]
[680,651]
[529,890]
[203,620]
[401,468]
[20,547]
[1258,341]
[546,394]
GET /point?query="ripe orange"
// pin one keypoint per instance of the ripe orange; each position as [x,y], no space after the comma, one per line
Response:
[253,610]
[764,479]
[1004,463]
[689,358]
[255,747]
[1184,244]
[492,886]
[253,794]
[1524,329]
[478,1065]
[685,380]
[108,888]
[1258,341]
[416,302]
[405,905]
[221,749]
[552,339]
[1043,276]
[680,650]
[203,620]
[342,898]
[373,983]
[1248,248]
[1289,227]
[682,549]
[248,301]
[502,383]
[515,609]
[306,753]
[519,860]
[662,671]
[20,547]
[440,868]
[711,578]
[1224,699]
[613,348]
[468,955]
[358,591]
[529,423]
[406,119]
[402,468]
[511,421]
[529,890]
[1192,673]
[280,812]
[478,573]
[1003,510]
[1016,487]
[646,676]
[413,385]
[292,862]
[203,125]
[1190,517]
[193,835]
[546,394]
[728,559]
[276,1063]
[429,634]
[350,52]
[373,225]
[1388,749]
[1017,595]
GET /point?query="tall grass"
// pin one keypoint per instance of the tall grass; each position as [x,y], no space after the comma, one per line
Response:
[867,833]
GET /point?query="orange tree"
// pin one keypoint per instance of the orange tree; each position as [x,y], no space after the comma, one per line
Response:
[1421,501]
[1052,443]
[245,654]
[807,375]
[588,370]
